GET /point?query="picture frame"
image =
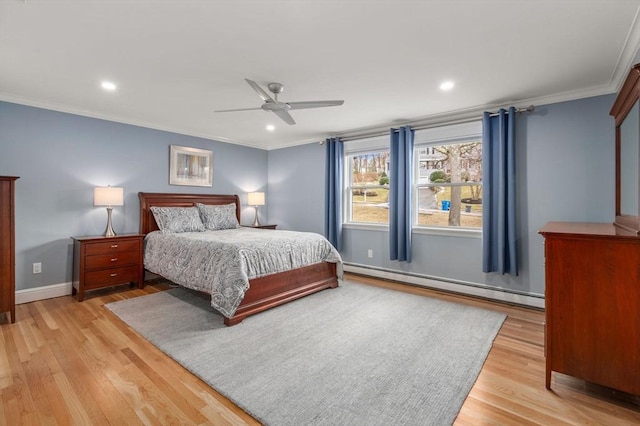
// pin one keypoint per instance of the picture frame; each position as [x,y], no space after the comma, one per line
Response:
[190,166]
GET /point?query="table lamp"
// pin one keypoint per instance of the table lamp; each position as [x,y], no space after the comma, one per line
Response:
[255,199]
[108,196]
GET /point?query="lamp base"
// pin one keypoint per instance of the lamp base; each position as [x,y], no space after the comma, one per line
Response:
[109,231]
[256,223]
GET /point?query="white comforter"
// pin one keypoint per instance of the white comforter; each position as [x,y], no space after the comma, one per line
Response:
[221,263]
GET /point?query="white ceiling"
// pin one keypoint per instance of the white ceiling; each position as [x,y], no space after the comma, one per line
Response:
[176,62]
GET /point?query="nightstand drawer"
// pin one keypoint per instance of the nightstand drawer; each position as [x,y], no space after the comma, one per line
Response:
[107,277]
[113,260]
[113,246]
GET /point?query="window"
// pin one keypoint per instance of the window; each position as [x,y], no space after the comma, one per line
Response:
[448,177]
[367,180]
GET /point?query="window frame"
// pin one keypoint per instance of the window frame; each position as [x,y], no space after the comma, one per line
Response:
[438,136]
[357,147]
[348,188]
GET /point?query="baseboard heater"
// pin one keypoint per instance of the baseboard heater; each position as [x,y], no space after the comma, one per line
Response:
[454,286]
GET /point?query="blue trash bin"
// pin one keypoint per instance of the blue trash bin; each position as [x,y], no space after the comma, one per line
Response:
[446,204]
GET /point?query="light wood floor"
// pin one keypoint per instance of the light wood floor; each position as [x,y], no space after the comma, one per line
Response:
[65,362]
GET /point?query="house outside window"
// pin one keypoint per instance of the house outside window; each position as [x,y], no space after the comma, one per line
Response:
[448,177]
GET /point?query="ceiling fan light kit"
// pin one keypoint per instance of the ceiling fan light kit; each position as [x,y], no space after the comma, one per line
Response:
[281,109]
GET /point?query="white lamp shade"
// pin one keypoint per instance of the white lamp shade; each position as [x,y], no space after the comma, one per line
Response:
[255,198]
[108,196]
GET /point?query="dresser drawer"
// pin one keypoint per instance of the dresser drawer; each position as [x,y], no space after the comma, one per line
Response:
[112,260]
[112,246]
[107,277]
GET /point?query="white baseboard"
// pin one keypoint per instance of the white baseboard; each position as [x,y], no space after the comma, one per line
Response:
[64,289]
[471,289]
[54,290]
[41,293]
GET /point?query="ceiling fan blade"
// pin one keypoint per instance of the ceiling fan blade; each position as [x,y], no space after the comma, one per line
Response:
[241,109]
[314,104]
[264,95]
[285,116]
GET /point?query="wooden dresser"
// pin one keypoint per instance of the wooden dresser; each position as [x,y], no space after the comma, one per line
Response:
[592,301]
[7,246]
[100,262]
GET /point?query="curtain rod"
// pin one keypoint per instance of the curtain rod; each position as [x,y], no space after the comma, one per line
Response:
[423,126]
[530,108]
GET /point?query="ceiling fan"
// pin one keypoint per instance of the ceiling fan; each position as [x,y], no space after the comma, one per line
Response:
[281,109]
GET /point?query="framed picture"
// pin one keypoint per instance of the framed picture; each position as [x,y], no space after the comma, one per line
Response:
[190,166]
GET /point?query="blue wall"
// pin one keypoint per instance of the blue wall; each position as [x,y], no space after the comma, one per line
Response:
[61,157]
[566,168]
[296,188]
[566,173]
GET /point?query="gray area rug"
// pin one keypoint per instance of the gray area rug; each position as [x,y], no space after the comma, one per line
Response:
[354,355]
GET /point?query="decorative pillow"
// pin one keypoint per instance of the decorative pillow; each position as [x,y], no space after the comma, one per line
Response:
[217,217]
[172,220]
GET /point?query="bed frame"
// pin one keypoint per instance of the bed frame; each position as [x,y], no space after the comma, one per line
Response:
[264,292]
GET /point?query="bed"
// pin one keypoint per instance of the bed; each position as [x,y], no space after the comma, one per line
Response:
[264,292]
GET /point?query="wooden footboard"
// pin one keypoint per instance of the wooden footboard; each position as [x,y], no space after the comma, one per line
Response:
[276,289]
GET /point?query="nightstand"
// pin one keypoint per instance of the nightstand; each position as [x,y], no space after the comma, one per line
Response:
[100,262]
[261,226]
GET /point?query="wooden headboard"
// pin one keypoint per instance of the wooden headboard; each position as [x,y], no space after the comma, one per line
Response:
[149,199]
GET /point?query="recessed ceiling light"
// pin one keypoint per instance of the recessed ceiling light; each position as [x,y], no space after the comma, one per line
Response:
[271,127]
[446,85]
[108,85]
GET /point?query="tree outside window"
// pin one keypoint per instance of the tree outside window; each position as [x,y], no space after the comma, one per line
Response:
[449,185]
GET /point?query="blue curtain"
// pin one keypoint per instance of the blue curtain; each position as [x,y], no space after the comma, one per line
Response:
[400,173]
[499,193]
[333,191]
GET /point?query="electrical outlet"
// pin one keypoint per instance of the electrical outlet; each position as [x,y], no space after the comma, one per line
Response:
[370,254]
[37,268]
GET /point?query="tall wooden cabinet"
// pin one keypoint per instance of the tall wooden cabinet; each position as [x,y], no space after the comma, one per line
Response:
[7,246]
[592,299]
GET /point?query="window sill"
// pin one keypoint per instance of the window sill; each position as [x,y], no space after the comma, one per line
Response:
[447,232]
[367,226]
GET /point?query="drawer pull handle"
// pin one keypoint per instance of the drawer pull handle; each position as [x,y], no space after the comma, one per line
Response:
[114,274]
[114,246]
[114,259]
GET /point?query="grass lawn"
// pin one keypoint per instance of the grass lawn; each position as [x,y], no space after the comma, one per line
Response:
[370,213]
[374,214]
